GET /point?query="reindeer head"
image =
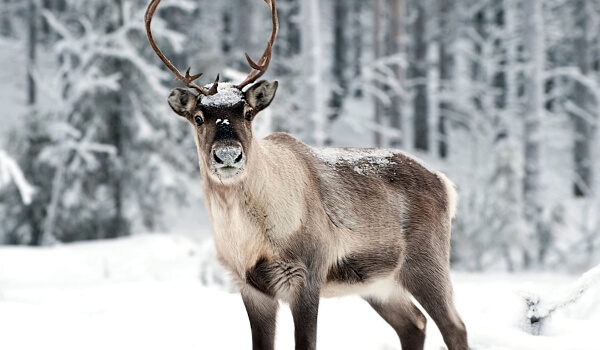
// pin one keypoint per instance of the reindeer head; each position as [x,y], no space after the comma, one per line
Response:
[223,123]
[222,114]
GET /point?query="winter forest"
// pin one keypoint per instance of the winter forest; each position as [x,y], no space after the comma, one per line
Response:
[501,95]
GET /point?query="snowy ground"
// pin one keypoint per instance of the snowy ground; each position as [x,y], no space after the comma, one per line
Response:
[144,293]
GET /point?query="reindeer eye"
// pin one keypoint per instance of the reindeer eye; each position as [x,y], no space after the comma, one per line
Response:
[198,120]
[248,115]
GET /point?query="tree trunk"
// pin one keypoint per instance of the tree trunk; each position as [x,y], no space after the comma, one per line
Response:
[36,230]
[32,51]
[5,20]
[433,77]
[226,37]
[311,49]
[55,196]
[585,130]
[289,39]
[339,64]
[583,99]
[47,5]
[397,48]
[535,43]
[357,41]
[444,68]
[419,71]
[378,53]
[294,36]
[513,196]
[246,32]
[115,125]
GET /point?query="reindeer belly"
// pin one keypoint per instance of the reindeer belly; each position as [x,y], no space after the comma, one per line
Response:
[368,274]
[381,288]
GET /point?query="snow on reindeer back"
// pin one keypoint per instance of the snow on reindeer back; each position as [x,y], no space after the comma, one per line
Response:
[365,161]
[227,95]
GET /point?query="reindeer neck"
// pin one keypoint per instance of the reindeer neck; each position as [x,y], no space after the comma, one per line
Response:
[272,189]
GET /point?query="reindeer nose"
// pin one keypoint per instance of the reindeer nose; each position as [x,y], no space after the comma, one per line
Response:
[228,156]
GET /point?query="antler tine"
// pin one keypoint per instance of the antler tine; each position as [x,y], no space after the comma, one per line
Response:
[188,79]
[258,69]
[214,88]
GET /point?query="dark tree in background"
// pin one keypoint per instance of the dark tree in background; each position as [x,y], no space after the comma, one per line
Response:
[340,57]
[584,122]
[418,73]
[396,47]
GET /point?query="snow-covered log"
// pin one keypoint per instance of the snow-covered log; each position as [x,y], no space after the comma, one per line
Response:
[539,310]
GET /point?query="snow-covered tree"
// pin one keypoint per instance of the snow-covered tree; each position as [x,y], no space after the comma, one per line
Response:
[110,159]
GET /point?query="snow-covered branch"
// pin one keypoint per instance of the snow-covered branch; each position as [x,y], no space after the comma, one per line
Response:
[575,73]
[10,171]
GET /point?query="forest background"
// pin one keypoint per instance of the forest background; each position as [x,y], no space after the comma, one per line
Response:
[503,96]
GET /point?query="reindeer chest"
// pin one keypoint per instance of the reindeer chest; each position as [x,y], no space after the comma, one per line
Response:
[256,220]
[241,235]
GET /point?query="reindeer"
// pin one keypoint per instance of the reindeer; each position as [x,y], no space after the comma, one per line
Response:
[296,223]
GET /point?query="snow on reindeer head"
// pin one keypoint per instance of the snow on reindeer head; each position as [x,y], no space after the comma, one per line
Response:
[221,114]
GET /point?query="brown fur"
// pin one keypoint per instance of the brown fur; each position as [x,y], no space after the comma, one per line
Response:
[292,225]
[295,227]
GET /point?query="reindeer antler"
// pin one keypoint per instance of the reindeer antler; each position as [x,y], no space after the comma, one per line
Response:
[258,69]
[188,79]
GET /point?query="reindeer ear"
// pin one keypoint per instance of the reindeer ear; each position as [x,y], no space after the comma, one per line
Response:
[182,102]
[261,94]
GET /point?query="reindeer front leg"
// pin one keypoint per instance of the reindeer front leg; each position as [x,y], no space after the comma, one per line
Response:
[293,281]
[305,307]
[262,313]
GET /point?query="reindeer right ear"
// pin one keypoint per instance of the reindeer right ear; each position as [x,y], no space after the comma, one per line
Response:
[182,102]
[261,94]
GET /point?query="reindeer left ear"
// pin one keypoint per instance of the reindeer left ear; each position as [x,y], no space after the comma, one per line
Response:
[261,94]
[182,102]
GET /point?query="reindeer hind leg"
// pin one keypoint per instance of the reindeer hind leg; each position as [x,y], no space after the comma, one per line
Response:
[404,317]
[430,285]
